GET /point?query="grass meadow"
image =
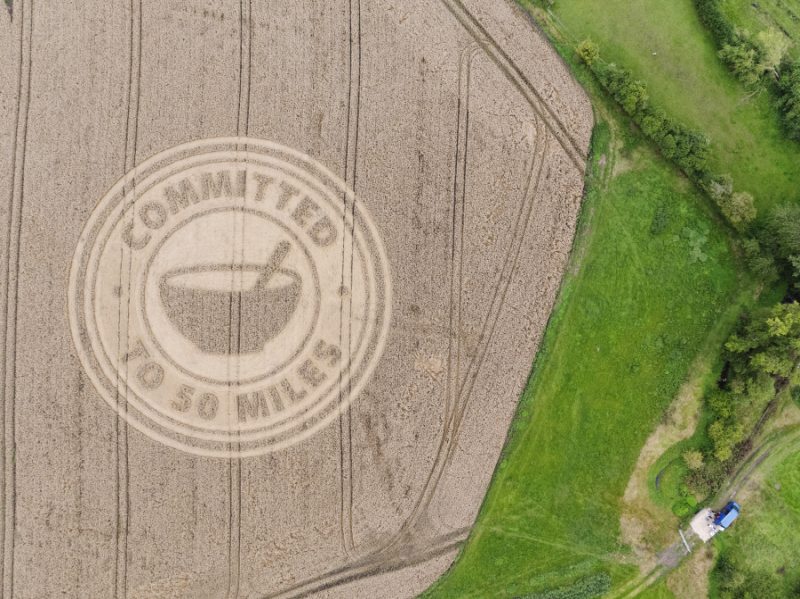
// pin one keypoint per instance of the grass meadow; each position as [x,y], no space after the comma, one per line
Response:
[652,273]
[665,45]
[765,537]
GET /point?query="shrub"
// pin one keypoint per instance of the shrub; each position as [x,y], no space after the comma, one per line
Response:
[709,479]
[719,187]
[693,459]
[796,395]
[772,46]
[742,59]
[788,92]
[712,17]
[681,508]
[725,437]
[739,208]
[589,52]
[596,585]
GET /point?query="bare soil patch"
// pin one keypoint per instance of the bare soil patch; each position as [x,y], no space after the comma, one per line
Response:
[642,522]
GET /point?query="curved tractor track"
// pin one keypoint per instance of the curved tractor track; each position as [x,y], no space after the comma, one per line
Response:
[453,134]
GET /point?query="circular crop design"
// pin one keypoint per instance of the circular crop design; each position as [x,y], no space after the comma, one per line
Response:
[229,297]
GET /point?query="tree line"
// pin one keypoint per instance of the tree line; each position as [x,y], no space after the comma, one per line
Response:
[756,60]
[685,147]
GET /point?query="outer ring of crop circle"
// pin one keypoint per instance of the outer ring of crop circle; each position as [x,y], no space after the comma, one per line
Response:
[110,392]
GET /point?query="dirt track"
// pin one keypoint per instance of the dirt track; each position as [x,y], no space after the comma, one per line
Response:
[464,139]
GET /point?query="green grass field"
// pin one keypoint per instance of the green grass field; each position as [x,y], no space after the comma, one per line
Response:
[652,273]
[664,44]
[765,538]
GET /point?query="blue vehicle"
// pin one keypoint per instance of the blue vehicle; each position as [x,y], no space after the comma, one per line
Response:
[727,515]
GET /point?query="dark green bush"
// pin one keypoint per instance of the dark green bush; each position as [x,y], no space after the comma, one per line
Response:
[586,588]
[713,18]
[661,220]
[681,508]
[796,395]
[788,91]
[760,262]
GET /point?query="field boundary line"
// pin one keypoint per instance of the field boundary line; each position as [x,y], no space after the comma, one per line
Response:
[346,305]
[456,251]
[373,566]
[493,49]
[487,333]
[234,463]
[11,295]
[120,574]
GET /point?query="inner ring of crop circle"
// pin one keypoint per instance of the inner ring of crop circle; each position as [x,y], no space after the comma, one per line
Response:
[153,337]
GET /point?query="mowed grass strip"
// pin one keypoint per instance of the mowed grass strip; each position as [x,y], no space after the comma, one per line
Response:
[651,274]
[665,45]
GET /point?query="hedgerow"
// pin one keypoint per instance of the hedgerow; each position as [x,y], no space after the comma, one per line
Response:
[688,149]
[762,60]
[788,91]
[713,18]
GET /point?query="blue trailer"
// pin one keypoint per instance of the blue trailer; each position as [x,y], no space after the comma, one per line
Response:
[727,515]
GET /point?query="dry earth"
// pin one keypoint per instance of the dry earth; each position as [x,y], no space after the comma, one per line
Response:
[464,139]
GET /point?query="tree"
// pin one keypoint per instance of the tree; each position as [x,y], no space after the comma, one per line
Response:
[789,97]
[738,208]
[720,402]
[720,187]
[773,46]
[654,123]
[693,459]
[782,228]
[769,343]
[796,395]
[725,437]
[589,52]
[760,262]
[630,93]
[743,61]
[634,97]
